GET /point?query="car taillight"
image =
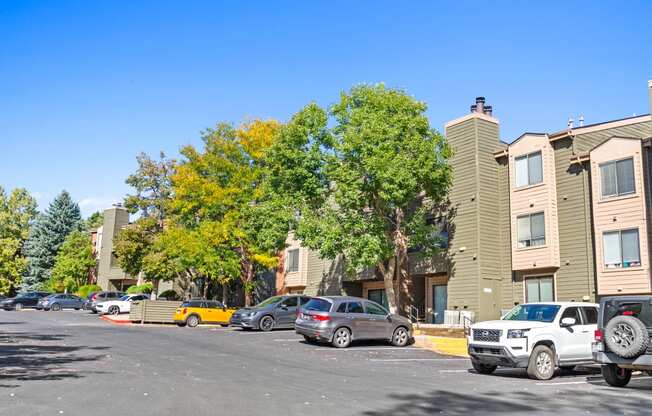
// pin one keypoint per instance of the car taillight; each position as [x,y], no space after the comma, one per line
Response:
[94,297]
[628,313]
[598,335]
[185,310]
[321,318]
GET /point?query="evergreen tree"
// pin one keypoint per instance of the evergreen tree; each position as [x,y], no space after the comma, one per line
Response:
[46,237]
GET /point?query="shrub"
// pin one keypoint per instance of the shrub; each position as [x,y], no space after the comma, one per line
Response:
[144,288]
[85,290]
[169,295]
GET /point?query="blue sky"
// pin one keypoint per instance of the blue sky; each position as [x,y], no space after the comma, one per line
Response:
[86,85]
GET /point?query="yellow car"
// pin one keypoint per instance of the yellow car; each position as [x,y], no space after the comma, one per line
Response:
[199,311]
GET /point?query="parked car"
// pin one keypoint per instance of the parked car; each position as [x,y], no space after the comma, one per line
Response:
[342,319]
[272,313]
[22,300]
[59,301]
[103,297]
[622,339]
[88,302]
[200,311]
[537,336]
[117,306]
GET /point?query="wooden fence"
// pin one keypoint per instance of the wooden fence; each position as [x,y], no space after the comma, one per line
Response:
[153,311]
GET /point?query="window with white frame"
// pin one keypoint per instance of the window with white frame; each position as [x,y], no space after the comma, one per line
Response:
[617,178]
[529,169]
[293,260]
[621,249]
[531,230]
[539,289]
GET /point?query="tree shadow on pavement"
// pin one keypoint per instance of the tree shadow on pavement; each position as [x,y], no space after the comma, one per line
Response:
[28,357]
[611,401]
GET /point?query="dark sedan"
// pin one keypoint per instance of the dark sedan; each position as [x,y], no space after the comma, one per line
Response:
[22,300]
[272,313]
[60,301]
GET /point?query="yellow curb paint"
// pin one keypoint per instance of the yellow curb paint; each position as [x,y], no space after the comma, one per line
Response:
[443,345]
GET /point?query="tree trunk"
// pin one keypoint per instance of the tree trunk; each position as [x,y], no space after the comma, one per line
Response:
[225,293]
[388,277]
[249,278]
[206,283]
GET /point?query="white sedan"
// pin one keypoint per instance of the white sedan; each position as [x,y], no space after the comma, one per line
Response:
[122,305]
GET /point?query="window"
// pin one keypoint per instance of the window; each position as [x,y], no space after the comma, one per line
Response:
[621,249]
[293,260]
[539,289]
[319,305]
[617,178]
[342,308]
[378,296]
[531,230]
[355,307]
[304,300]
[572,313]
[373,309]
[541,313]
[590,315]
[528,169]
[291,302]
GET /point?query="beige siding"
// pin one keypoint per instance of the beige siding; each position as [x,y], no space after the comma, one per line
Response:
[619,213]
[532,199]
[575,279]
[298,278]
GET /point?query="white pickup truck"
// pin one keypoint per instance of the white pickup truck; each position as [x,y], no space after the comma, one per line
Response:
[538,336]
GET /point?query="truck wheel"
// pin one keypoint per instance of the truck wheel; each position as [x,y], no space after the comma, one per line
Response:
[626,336]
[615,376]
[542,363]
[483,368]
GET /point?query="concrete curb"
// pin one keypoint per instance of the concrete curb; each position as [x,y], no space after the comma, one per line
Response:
[442,345]
[116,321]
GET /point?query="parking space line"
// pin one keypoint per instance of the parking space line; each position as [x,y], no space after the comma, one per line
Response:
[371,349]
[590,380]
[417,359]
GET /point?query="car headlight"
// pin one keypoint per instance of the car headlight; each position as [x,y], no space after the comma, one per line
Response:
[517,333]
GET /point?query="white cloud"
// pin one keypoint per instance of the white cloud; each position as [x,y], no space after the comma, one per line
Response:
[91,204]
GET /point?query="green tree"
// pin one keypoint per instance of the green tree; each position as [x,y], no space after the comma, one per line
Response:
[73,263]
[223,187]
[17,211]
[46,237]
[369,186]
[95,221]
[152,183]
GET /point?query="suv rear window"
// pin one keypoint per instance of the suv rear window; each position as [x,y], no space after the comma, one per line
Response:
[318,305]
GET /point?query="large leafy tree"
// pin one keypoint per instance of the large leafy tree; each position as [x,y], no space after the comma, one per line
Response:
[152,185]
[17,211]
[46,237]
[94,221]
[224,188]
[73,263]
[368,184]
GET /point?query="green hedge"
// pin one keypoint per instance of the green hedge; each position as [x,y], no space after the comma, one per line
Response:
[85,290]
[144,288]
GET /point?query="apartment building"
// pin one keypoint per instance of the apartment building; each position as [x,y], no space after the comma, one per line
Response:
[560,215]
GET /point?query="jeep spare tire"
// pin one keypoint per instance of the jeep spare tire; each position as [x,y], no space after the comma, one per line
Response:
[626,336]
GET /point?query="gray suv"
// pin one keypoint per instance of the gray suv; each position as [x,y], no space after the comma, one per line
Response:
[342,319]
[272,313]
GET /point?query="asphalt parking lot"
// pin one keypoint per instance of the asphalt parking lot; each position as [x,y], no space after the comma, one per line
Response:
[73,363]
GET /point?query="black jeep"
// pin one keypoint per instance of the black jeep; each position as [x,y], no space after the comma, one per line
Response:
[622,340]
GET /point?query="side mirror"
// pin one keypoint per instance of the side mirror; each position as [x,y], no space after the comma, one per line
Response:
[566,322]
[389,318]
[284,307]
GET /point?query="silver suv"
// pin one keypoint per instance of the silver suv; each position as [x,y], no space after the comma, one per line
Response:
[342,319]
